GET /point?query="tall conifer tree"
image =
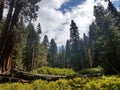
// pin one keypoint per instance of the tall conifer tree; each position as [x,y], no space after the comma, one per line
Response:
[74,41]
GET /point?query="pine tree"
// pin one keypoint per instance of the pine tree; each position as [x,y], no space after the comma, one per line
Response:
[34,57]
[39,28]
[61,57]
[68,54]
[81,54]
[87,55]
[46,42]
[52,54]
[21,37]
[92,43]
[74,41]
[105,38]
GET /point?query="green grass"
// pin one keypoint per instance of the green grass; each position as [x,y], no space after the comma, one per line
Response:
[55,71]
[80,83]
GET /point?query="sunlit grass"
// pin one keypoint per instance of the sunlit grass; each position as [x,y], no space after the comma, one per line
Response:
[80,83]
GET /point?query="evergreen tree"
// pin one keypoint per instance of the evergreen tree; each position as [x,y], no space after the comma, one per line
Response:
[97,29]
[68,54]
[92,43]
[39,28]
[61,55]
[21,37]
[106,38]
[46,42]
[7,40]
[74,41]
[81,54]
[87,54]
[52,54]
[33,53]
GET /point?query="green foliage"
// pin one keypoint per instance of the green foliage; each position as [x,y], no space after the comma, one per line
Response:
[92,71]
[105,38]
[61,57]
[54,71]
[74,42]
[80,83]
[52,54]
[20,38]
[34,52]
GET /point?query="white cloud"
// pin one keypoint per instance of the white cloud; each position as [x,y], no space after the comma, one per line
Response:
[56,24]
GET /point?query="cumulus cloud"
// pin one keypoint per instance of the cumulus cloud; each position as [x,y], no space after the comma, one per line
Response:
[56,24]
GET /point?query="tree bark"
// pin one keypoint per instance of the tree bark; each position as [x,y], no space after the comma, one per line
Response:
[32,59]
[5,55]
[8,37]
[1,9]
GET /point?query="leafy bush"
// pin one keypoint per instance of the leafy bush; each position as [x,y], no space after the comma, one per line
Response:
[55,71]
[92,71]
[79,83]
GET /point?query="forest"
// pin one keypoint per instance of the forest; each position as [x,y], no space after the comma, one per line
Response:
[28,62]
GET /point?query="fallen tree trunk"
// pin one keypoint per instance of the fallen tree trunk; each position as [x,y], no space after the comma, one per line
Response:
[26,77]
[17,75]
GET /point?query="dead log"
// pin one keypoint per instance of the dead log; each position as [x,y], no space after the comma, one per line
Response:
[27,77]
[32,76]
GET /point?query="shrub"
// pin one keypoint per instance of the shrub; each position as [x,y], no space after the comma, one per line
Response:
[92,71]
[79,83]
[55,71]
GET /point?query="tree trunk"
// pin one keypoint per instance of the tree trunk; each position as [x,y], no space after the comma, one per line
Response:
[15,17]
[5,55]
[32,59]
[1,8]
[90,58]
[27,77]
[8,37]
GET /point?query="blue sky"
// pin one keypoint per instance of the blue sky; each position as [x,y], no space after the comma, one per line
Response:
[55,17]
[73,3]
[117,3]
[70,4]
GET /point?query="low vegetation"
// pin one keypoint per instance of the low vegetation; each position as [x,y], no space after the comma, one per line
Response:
[92,71]
[80,83]
[55,71]
[69,72]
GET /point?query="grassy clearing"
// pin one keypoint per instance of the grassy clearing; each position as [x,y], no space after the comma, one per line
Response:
[80,83]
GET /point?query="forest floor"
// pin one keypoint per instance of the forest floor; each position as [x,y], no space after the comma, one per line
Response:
[77,83]
[63,79]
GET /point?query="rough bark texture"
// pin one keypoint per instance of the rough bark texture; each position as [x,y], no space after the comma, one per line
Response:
[8,37]
[5,47]
[1,8]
